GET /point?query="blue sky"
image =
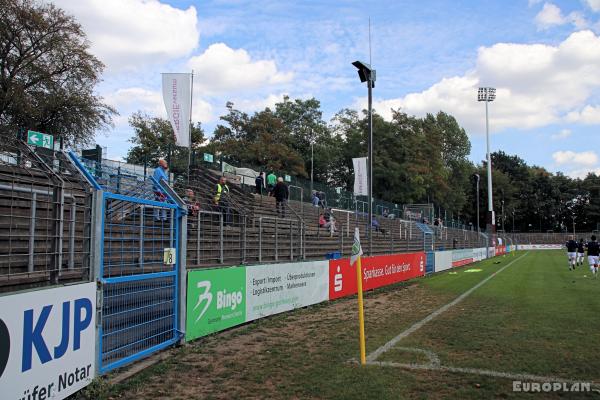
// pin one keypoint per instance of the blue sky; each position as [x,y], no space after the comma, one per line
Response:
[544,58]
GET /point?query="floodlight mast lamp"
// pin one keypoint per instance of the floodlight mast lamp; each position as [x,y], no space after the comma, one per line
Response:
[367,74]
[487,95]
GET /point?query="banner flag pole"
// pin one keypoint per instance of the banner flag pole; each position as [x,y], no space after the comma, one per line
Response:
[191,127]
[356,258]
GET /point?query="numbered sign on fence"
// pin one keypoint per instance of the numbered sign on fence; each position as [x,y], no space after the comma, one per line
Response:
[169,256]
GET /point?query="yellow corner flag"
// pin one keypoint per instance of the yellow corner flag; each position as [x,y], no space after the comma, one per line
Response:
[355,258]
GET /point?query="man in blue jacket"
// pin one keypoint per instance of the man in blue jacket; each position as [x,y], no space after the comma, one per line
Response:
[160,173]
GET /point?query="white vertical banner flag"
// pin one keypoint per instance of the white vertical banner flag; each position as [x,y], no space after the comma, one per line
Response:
[178,102]
[360,176]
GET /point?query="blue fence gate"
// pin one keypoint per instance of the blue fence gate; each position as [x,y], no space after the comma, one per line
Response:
[138,266]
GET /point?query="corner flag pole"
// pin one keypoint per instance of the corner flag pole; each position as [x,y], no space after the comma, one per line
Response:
[356,258]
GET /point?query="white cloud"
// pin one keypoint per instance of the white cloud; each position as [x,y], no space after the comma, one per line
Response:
[563,134]
[130,100]
[127,33]
[551,16]
[588,115]
[581,173]
[259,104]
[221,69]
[584,158]
[594,5]
[537,85]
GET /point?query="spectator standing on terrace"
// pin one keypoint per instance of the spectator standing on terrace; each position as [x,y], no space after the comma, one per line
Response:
[281,193]
[191,202]
[315,199]
[271,181]
[260,183]
[221,200]
[160,214]
[322,201]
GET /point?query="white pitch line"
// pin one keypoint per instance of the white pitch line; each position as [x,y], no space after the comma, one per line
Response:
[374,355]
[476,371]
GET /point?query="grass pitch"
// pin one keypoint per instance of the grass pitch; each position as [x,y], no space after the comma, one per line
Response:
[534,317]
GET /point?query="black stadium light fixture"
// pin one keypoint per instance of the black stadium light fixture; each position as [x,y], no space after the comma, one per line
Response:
[367,74]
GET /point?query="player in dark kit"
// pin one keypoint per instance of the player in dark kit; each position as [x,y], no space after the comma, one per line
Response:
[580,252]
[572,252]
[593,249]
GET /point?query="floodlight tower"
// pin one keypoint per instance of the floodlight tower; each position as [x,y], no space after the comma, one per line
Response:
[367,74]
[487,95]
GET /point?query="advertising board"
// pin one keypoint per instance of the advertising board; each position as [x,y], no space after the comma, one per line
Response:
[47,342]
[377,271]
[216,300]
[275,288]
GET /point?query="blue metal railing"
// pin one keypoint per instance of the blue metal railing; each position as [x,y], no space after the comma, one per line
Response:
[140,224]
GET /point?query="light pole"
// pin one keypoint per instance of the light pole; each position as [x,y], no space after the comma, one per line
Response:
[477,185]
[503,220]
[367,74]
[513,221]
[488,94]
[312,156]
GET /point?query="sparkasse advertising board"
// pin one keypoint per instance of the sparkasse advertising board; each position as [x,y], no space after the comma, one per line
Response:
[47,342]
[377,271]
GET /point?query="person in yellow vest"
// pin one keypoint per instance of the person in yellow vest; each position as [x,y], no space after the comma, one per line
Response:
[221,200]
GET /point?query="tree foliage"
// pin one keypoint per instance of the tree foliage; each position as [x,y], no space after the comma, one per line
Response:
[47,75]
[416,160]
[153,139]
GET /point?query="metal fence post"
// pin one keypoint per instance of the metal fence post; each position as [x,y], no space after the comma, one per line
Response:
[198,240]
[72,234]
[276,239]
[221,238]
[245,245]
[97,237]
[182,261]
[342,240]
[30,264]
[141,247]
[291,242]
[260,239]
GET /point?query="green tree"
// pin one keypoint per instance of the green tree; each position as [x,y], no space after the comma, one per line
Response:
[153,139]
[47,75]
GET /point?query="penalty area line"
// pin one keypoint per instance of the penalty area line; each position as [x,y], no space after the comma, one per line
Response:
[375,354]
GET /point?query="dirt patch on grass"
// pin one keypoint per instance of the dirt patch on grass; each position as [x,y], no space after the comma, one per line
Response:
[271,358]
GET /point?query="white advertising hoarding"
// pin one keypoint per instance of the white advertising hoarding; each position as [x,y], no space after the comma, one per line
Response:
[479,254]
[275,288]
[47,342]
[540,247]
[443,260]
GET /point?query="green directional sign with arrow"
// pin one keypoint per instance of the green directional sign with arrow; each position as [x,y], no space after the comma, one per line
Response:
[40,139]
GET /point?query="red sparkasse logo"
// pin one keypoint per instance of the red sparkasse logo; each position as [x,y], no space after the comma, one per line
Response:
[377,271]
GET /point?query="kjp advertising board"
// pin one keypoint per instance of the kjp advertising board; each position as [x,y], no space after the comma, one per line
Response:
[47,342]
[377,271]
